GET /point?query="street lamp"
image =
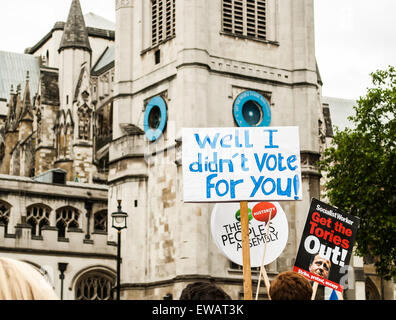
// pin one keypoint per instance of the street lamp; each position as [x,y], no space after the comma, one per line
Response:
[119,222]
[62,266]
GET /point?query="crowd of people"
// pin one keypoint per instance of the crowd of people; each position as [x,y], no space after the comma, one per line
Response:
[287,285]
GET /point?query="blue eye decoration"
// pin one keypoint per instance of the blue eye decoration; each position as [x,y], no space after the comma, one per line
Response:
[251,109]
[155,118]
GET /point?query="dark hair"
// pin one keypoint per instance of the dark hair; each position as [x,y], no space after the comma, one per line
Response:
[290,285]
[203,291]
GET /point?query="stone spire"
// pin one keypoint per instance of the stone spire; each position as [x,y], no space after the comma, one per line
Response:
[27,113]
[75,34]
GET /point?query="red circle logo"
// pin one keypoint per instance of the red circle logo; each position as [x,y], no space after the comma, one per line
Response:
[262,211]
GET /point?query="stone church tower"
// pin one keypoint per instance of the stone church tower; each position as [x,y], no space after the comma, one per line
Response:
[51,125]
[73,126]
[202,63]
[109,111]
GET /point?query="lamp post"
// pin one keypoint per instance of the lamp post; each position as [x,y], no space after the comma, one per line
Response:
[62,268]
[119,222]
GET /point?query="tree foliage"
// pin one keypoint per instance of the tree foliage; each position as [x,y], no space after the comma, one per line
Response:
[361,171]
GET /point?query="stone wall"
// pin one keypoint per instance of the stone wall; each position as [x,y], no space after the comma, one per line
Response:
[83,247]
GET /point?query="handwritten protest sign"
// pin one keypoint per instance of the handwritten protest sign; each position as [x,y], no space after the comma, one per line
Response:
[241,164]
[326,245]
[226,231]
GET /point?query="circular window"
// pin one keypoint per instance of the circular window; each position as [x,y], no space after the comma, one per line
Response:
[251,109]
[252,113]
[155,118]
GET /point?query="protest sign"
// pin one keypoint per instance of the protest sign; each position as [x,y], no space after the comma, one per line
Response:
[241,164]
[226,231]
[326,245]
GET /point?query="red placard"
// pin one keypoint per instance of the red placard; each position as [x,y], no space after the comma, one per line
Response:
[326,245]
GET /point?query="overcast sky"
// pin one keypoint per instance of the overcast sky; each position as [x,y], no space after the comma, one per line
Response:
[353,37]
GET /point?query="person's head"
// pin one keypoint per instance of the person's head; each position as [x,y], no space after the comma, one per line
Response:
[320,266]
[290,285]
[20,281]
[203,291]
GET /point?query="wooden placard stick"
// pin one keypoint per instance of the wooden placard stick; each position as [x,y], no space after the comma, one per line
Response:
[247,273]
[314,289]
[267,282]
[262,268]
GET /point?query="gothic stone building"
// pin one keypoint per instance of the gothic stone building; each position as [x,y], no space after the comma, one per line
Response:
[109,110]
[184,64]
[56,120]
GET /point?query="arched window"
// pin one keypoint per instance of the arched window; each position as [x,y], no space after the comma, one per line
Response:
[94,285]
[4,214]
[66,217]
[371,290]
[103,166]
[60,141]
[39,127]
[38,217]
[100,221]
[84,122]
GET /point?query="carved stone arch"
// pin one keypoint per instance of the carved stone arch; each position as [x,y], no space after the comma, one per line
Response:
[61,118]
[84,121]
[59,131]
[69,120]
[372,292]
[38,216]
[32,264]
[38,113]
[39,204]
[84,108]
[85,96]
[5,212]
[100,221]
[60,140]
[68,139]
[67,217]
[38,118]
[67,129]
[93,283]
[35,266]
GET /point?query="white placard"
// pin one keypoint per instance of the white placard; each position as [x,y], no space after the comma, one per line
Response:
[226,233]
[241,164]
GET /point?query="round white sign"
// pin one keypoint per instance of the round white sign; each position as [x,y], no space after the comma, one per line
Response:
[227,233]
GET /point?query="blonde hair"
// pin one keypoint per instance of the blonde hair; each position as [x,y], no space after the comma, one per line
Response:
[20,281]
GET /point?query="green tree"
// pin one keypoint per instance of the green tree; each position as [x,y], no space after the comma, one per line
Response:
[361,171]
